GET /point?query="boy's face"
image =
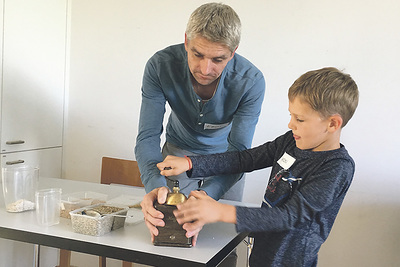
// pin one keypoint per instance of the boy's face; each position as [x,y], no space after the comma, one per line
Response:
[309,130]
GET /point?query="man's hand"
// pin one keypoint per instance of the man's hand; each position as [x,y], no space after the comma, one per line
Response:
[173,165]
[153,217]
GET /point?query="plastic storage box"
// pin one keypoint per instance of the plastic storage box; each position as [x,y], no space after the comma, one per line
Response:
[70,202]
[102,223]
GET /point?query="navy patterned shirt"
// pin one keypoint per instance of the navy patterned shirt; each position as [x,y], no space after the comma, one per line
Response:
[300,204]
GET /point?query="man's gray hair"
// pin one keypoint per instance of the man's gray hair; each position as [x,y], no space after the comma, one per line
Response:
[216,22]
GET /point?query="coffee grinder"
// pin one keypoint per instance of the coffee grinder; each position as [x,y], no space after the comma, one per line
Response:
[172,234]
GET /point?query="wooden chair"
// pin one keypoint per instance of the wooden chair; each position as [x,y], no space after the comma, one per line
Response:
[119,171]
[113,171]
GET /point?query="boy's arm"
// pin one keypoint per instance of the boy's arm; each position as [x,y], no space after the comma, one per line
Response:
[223,163]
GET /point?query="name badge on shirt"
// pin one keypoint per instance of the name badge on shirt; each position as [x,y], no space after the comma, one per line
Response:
[286,161]
[209,126]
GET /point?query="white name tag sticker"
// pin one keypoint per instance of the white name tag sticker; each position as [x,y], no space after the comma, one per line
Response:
[286,161]
[209,126]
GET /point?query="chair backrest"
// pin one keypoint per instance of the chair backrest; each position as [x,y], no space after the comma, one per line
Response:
[120,171]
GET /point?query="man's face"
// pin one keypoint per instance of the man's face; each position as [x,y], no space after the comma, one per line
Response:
[206,59]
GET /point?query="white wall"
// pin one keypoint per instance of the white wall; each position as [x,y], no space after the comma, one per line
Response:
[110,42]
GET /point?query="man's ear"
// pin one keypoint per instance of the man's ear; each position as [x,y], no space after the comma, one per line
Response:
[335,123]
[234,51]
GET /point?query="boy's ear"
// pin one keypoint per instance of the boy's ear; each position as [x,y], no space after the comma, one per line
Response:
[335,122]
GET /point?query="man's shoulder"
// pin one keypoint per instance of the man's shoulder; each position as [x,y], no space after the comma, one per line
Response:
[173,52]
[243,75]
[239,65]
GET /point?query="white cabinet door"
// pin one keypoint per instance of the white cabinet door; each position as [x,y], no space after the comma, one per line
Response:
[48,160]
[32,99]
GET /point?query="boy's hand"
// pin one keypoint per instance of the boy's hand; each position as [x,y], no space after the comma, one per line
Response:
[201,209]
[173,165]
[193,230]
[153,217]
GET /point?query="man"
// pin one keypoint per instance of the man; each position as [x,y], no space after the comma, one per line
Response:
[215,97]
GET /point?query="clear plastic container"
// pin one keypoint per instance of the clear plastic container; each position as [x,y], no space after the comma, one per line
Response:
[19,186]
[100,224]
[70,202]
[48,206]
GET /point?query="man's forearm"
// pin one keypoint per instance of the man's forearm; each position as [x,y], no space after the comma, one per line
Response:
[217,186]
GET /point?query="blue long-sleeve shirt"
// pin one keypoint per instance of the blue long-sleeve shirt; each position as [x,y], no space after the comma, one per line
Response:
[226,122]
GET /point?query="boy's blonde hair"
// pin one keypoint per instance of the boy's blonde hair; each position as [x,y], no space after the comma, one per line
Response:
[328,91]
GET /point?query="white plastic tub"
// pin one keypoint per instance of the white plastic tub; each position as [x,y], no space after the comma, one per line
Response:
[98,225]
[70,202]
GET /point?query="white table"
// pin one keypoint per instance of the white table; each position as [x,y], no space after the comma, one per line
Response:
[130,243]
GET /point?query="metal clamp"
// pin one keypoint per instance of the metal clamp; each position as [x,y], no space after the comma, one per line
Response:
[249,243]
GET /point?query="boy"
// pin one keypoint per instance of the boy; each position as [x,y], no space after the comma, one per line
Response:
[311,173]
